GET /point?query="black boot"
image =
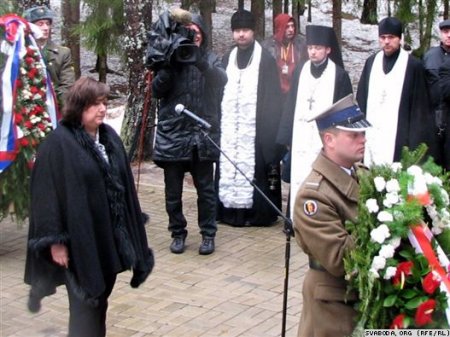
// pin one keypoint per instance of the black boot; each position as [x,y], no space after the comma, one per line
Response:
[177,246]
[207,246]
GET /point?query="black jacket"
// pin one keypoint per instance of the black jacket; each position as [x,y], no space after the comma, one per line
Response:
[79,200]
[199,88]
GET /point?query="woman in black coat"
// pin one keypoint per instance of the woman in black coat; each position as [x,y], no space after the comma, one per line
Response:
[86,224]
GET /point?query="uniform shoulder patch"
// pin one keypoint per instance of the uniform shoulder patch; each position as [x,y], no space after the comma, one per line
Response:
[313,181]
[310,207]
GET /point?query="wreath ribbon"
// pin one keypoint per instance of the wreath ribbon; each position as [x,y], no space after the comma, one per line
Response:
[420,238]
[16,28]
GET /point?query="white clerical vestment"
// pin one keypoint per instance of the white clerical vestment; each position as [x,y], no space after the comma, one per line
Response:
[383,102]
[314,95]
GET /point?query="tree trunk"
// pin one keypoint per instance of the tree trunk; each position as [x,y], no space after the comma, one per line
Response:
[240,4]
[446,9]
[186,4]
[257,8]
[24,4]
[309,11]
[71,17]
[138,17]
[102,67]
[369,13]
[427,16]
[337,20]
[206,9]
[277,8]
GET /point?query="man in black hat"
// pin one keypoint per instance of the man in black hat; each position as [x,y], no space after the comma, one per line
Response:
[437,66]
[58,59]
[318,84]
[326,200]
[393,94]
[249,123]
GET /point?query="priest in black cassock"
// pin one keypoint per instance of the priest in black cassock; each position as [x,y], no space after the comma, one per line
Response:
[317,84]
[249,123]
[393,94]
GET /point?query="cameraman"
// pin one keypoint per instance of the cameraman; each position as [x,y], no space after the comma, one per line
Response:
[180,146]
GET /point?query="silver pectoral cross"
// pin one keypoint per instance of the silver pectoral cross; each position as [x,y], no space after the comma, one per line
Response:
[311,100]
[383,97]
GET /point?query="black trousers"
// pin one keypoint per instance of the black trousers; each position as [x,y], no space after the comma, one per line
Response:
[86,320]
[203,176]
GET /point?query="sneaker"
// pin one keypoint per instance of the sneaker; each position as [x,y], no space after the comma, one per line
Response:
[207,246]
[177,246]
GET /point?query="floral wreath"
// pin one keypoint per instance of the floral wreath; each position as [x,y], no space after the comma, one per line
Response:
[29,113]
[399,263]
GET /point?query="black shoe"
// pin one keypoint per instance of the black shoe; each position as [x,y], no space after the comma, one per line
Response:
[207,246]
[177,245]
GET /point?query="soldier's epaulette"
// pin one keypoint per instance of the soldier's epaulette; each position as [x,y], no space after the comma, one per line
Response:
[313,181]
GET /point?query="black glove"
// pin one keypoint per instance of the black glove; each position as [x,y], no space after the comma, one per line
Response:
[164,74]
[202,62]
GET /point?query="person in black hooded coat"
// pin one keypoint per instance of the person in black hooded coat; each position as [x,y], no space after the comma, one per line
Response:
[180,146]
[86,224]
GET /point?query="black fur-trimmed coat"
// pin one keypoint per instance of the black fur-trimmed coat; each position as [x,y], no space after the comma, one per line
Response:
[92,207]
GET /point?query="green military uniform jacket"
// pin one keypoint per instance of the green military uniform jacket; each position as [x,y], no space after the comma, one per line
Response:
[59,65]
[327,198]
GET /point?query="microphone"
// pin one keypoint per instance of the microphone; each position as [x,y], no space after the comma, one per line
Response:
[179,109]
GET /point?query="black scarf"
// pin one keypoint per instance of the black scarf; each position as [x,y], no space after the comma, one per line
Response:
[114,191]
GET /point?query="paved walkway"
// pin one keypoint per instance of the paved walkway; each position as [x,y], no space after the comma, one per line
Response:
[237,291]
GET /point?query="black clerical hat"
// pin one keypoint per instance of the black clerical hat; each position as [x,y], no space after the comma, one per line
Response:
[325,36]
[390,26]
[344,115]
[242,19]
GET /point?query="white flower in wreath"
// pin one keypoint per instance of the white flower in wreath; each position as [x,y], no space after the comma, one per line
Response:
[378,263]
[429,178]
[419,186]
[372,205]
[385,216]
[391,198]
[396,167]
[395,242]
[380,183]
[390,273]
[374,273]
[414,170]
[445,197]
[26,94]
[392,185]
[380,234]
[387,251]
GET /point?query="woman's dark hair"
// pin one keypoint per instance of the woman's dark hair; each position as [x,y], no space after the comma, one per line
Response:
[83,93]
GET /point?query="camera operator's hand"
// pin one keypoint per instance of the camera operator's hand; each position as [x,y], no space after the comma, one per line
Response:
[164,74]
[202,61]
[162,83]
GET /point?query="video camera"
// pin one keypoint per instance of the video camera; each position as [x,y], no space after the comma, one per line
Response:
[170,42]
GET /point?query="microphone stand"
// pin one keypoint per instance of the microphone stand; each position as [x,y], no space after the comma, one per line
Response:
[287,226]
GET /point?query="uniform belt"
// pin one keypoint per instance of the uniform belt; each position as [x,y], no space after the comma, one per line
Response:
[314,264]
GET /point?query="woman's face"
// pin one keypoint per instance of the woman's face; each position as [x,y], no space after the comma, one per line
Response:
[94,115]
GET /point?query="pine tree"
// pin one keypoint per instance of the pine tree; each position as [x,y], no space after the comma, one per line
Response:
[102,30]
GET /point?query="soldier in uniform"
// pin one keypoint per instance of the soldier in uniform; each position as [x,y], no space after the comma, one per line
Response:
[325,201]
[57,58]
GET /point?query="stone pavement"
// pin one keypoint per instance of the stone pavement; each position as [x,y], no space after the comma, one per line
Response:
[235,292]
